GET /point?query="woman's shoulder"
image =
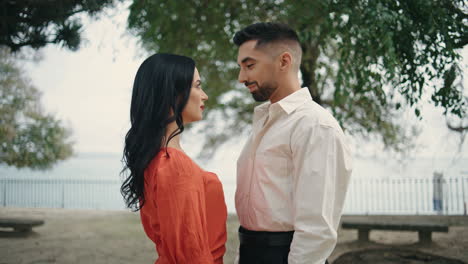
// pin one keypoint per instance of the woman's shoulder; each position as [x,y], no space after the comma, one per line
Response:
[175,165]
[174,157]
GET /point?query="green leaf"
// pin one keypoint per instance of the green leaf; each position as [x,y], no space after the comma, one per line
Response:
[357,40]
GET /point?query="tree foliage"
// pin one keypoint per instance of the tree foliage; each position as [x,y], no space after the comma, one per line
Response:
[28,136]
[364,60]
[36,23]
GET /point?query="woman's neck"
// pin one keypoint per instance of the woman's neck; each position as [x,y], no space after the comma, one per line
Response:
[175,141]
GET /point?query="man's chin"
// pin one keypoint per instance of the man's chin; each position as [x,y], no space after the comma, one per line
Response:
[258,97]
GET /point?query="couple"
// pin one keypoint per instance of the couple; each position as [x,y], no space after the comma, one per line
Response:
[292,174]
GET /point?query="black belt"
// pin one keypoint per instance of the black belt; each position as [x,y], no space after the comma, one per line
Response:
[263,238]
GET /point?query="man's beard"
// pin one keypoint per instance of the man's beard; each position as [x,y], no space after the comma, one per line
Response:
[264,92]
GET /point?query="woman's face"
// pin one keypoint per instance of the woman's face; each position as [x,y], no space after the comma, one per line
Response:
[193,110]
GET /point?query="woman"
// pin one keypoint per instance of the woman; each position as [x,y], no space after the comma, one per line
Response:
[181,206]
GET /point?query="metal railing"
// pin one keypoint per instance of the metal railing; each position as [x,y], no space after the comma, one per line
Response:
[446,196]
[61,193]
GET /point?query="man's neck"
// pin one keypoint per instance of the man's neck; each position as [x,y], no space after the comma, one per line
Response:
[285,88]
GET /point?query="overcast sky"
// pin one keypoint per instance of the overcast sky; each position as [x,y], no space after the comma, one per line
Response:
[90,90]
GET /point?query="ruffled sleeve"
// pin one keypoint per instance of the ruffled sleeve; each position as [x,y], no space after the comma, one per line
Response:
[180,205]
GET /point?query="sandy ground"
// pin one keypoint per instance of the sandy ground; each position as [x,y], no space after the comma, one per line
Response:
[89,236]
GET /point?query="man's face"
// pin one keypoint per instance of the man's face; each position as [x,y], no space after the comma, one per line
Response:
[257,71]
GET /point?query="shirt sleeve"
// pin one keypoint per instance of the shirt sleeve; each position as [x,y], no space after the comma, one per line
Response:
[180,204]
[322,166]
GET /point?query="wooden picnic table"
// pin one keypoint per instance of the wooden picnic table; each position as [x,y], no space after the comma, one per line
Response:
[20,224]
[424,229]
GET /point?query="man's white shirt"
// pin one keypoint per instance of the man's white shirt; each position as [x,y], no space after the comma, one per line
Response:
[293,174]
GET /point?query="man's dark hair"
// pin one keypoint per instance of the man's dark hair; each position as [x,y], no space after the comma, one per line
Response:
[265,33]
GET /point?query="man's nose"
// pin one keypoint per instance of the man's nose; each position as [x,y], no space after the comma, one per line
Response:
[242,78]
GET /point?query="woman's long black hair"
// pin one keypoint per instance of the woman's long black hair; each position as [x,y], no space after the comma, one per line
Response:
[163,82]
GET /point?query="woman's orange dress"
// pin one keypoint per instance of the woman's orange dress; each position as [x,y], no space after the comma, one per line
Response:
[184,213]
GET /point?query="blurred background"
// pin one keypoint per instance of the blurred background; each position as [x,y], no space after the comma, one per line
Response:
[393,76]
[391,72]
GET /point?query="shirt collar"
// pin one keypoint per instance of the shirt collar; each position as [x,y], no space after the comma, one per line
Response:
[294,100]
[288,104]
[260,111]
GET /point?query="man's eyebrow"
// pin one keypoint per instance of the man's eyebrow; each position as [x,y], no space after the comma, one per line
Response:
[247,59]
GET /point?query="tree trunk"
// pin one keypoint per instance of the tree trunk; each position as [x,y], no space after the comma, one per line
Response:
[308,67]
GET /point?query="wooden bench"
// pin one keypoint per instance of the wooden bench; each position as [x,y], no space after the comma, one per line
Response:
[20,224]
[424,229]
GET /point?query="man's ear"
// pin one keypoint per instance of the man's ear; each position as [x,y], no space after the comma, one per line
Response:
[285,61]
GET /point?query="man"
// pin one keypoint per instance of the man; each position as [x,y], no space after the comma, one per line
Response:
[293,172]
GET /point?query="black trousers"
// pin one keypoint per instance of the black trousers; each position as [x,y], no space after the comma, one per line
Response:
[259,247]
